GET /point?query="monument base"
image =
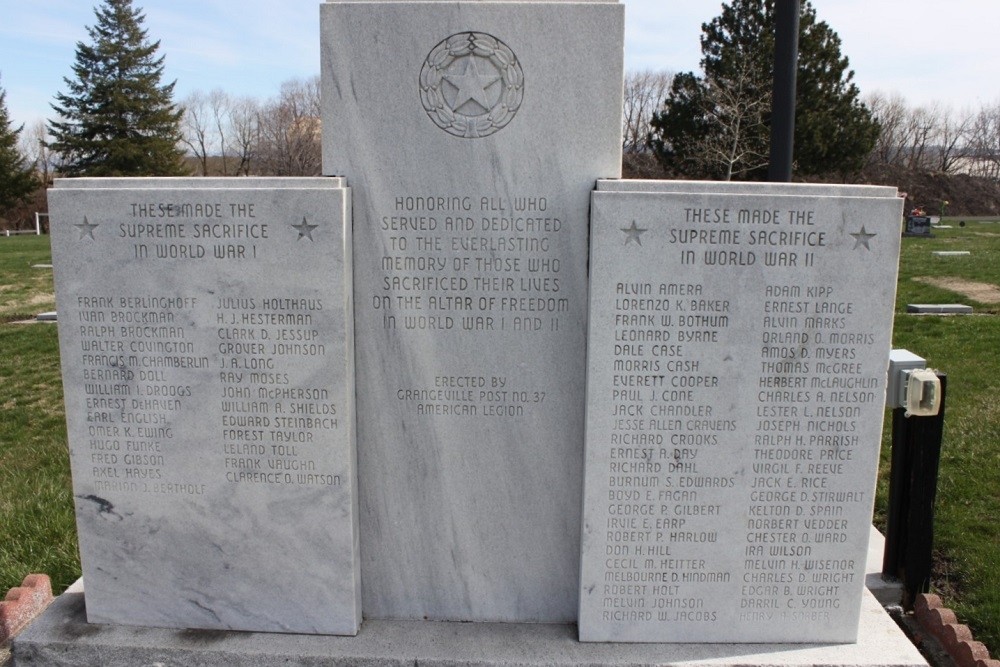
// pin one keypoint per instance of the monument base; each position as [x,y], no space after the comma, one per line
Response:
[61,637]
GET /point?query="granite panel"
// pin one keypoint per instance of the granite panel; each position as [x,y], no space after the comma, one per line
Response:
[938,308]
[206,344]
[738,347]
[477,131]
[231,182]
[748,187]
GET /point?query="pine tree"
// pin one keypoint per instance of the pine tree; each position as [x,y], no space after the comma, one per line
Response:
[117,119]
[718,125]
[17,178]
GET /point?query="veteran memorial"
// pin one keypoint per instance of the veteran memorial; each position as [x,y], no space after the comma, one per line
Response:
[735,395]
[209,395]
[468,398]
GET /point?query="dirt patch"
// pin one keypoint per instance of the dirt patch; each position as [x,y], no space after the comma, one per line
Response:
[981,292]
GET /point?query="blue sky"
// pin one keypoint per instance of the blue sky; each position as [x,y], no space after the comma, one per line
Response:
[925,50]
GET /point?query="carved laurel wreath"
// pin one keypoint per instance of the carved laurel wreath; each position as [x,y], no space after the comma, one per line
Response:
[436,67]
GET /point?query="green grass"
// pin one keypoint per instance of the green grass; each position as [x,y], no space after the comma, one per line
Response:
[24,291]
[967,349]
[37,531]
[983,265]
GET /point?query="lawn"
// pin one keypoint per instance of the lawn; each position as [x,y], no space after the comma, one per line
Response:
[37,532]
[967,534]
[37,529]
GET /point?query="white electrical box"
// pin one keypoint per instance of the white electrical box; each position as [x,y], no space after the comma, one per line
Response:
[901,362]
[923,393]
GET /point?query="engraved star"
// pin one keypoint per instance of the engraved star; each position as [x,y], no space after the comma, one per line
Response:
[304,229]
[633,233]
[471,85]
[86,229]
[862,238]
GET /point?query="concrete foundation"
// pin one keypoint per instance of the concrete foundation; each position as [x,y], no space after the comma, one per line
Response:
[61,637]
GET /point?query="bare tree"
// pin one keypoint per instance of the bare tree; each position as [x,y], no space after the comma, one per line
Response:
[223,132]
[891,113]
[922,126]
[218,104]
[645,92]
[196,128]
[32,144]
[928,138]
[952,138]
[289,131]
[984,143]
[243,119]
[731,110]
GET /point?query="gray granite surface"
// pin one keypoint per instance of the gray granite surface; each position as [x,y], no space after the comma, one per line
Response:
[473,137]
[206,346]
[143,182]
[747,187]
[947,308]
[62,638]
[735,393]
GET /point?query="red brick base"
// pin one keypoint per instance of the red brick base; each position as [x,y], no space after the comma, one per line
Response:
[23,604]
[955,638]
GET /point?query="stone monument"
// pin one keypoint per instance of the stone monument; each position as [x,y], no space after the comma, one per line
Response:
[721,439]
[209,400]
[738,345]
[471,135]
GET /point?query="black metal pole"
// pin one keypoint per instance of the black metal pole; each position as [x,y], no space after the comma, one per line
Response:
[917,558]
[909,535]
[899,494]
[786,63]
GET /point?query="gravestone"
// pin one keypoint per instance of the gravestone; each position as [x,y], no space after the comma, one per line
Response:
[207,352]
[736,383]
[471,135]
[918,225]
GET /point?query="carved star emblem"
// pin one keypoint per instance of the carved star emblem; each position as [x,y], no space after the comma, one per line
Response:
[304,229]
[471,85]
[633,233]
[862,238]
[86,229]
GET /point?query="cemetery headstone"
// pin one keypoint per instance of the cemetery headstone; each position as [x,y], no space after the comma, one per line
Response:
[918,225]
[206,336]
[736,383]
[939,308]
[471,135]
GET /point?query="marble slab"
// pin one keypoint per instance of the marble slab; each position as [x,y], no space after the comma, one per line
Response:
[207,357]
[748,187]
[230,182]
[738,346]
[476,132]
[60,636]
[953,308]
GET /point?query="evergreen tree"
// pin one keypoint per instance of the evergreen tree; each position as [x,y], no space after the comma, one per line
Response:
[718,125]
[117,119]
[17,178]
